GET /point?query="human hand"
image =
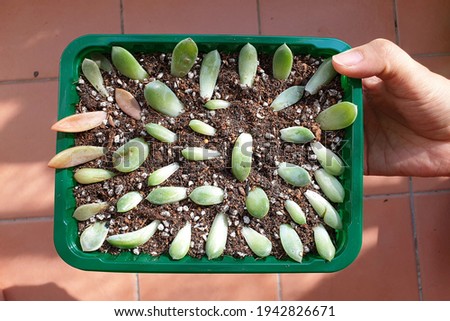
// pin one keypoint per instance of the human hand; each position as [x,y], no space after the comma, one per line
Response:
[406,111]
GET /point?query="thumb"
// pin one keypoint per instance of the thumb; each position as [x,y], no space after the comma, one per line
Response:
[381,58]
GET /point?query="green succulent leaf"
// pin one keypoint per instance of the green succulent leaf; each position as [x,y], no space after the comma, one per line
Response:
[181,243]
[257,203]
[207,195]
[202,128]
[217,237]
[282,62]
[129,201]
[199,153]
[183,57]
[248,64]
[297,135]
[338,116]
[134,239]
[94,76]
[131,155]
[291,242]
[294,174]
[102,62]
[86,211]
[258,243]
[167,195]
[241,157]
[330,186]
[331,162]
[93,236]
[209,71]
[295,211]
[322,77]
[127,65]
[92,175]
[161,175]
[324,209]
[214,104]
[162,99]
[287,98]
[161,133]
[324,245]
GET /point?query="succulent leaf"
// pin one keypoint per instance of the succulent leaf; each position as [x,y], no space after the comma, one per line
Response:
[209,71]
[127,65]
[162,99]
[92,175]
[134,239]
[241,157]
[93,236]
[294,174]
[199,153]
[86,211]
[248,64]
[202,128]
[297,135]
[217,237]
[322,77]
[331,162]
[80,122]
[324,209]
[181,243]
[288,98]
[161,175]
[291,242]
[128,104]
[324,245]
[161,133]
[94,76]
[75,156]
[131,155]
[257,203]
[129,201]
[102,62]
[282,62]
[207,195]
[330,186]
[214,104]
[295,211]
[258,243]
[183,57]
[338,116]
[167,195]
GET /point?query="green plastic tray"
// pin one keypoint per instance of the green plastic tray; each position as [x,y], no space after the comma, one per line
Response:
[65,227]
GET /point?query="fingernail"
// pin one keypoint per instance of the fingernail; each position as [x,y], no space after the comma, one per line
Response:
[348,58]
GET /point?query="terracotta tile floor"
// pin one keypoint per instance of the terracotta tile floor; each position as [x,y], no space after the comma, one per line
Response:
[406,245]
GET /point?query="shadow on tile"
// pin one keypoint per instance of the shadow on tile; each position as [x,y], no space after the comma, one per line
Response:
[43,292]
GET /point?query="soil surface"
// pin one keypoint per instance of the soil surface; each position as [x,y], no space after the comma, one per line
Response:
[250,113]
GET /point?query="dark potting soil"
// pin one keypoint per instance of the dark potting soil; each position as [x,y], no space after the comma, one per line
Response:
[249,112]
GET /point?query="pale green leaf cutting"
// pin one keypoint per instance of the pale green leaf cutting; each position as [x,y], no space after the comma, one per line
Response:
[134,239]
[248,64]
[75,156]
[282,62]
[102,62]
[297,135]
[324,245]
[257,203]
[214,104]
[199,153]
[128,66]
[209,71]
[183,57]
[207,195]
[323,76]
[202,128]
[181,243]
[241,157]
[161,133]
[131,155]
[288,98]
[162,99]
[331,162]
[291,242]
[258,243]
[167,195]
[324,209]
[217,237]
[161,175]
[94,76]
[330,186]
[92,175]
[93,236]
[295,211]
[86,211]
[294,174]
[128,201]
[338,116]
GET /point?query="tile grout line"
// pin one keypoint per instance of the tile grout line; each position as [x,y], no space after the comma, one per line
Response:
[258,12]
[24,81]
[27,219]
[397,30]
[122,25]
[138,288]
[416,247]
[279,292]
